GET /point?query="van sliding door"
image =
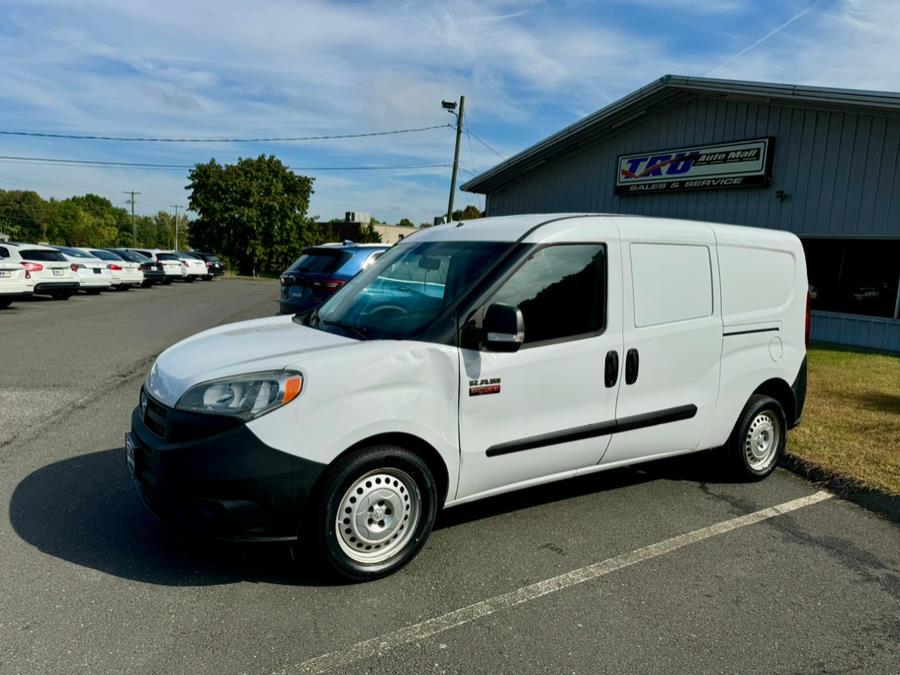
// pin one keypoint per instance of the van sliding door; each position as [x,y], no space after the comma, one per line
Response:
[672,339]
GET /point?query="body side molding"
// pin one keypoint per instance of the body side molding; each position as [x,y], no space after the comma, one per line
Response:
[682,412]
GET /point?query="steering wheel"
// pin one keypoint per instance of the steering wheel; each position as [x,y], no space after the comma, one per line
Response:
[395,309]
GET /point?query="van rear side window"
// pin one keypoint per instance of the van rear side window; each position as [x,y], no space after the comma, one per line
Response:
[672,282]
[743,296]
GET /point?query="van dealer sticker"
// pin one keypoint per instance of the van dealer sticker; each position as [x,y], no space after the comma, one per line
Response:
[486,386]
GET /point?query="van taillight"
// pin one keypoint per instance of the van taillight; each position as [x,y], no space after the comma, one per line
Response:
[32,266]
[808,317]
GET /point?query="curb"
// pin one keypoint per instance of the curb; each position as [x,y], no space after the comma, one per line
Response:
[878,501]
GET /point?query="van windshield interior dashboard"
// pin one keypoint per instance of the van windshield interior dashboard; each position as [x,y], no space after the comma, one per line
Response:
[402,294]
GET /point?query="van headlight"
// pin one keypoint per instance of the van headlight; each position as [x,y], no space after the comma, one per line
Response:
[244,396]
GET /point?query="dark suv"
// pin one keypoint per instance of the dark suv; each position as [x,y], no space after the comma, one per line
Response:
[321,270]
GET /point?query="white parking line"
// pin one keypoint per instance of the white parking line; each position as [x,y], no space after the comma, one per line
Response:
[379,645]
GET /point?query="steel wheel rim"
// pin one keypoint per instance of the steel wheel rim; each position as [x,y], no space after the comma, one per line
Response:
[378,515]
[762,441]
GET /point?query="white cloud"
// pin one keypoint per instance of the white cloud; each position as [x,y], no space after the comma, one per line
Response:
[232,68]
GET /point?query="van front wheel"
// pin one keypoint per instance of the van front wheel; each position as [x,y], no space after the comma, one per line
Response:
[758,440]
[373,512]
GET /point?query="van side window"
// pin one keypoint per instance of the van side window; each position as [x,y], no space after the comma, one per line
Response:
[561,290]
[4,252]
[672,282]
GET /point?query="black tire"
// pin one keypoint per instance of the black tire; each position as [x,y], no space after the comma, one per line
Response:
[208,277]
[61,295]
[756,444]
[5,302]
[146,284]
[397,467]
[166,282]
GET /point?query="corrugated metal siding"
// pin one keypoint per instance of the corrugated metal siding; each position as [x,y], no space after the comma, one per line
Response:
[840,171]
[857,331]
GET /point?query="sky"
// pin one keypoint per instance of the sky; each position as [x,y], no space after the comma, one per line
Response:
[213,69]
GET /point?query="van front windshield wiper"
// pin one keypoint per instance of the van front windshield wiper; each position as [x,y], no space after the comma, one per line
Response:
[350,328]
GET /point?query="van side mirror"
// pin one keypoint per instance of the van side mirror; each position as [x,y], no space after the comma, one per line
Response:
[504,328]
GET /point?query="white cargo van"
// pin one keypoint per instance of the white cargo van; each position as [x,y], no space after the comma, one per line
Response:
[475,358]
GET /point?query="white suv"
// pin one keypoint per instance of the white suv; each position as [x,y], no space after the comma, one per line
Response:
[171,265]
[50,272]
[15,283]
[93,274]
[194,266]
[125,274]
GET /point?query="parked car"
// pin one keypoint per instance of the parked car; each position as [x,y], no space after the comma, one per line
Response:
[93,274]
[214,266]
[50,272]
[322,270]
[470,360]
[171,265]
[125,273]
[151,269]
[15,282]
[194,267]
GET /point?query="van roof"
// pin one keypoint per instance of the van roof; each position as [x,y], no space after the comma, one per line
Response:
[514,228]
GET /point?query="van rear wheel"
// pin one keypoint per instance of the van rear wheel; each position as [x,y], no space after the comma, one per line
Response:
[372,512]
[757,443]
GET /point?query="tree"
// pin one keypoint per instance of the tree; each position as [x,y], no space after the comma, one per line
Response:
[469,213]
[252,212]
[24,214]
[368,234]
[406,222]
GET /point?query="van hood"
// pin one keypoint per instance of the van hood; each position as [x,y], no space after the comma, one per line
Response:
[235,349]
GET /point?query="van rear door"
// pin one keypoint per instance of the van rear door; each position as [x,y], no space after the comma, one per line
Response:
[672,338]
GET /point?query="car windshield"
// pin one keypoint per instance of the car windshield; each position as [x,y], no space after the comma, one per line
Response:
[41,254]
[407,288]
[131,256]
[104,255]
[320,260]
[74,252]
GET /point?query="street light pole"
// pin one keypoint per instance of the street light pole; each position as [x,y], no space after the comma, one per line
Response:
[450,106]
[176,207]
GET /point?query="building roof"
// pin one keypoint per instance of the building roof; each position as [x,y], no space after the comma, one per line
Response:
[663,94]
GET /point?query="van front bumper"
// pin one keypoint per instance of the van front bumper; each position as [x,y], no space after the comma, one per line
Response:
[228,485]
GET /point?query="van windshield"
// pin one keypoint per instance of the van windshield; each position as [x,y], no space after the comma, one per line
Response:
[407,288]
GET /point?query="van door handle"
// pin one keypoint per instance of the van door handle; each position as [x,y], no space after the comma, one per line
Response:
[632,361]
[611,373]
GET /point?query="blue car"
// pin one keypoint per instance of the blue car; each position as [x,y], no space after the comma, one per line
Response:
[322,270]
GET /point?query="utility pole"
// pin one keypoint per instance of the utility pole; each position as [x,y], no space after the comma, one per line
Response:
[130,200]
[450,106]
[176,207]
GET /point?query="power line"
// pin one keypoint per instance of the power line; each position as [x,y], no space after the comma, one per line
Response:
[185,167]
[477,138]
[283,139]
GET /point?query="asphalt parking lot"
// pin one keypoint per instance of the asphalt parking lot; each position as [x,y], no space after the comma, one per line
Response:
[665,567]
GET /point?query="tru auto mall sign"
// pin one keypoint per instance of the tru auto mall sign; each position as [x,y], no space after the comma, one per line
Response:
[704,167]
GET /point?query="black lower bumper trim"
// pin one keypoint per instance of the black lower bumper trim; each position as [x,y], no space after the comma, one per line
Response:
[228,486]
[48,286]
[620,425]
